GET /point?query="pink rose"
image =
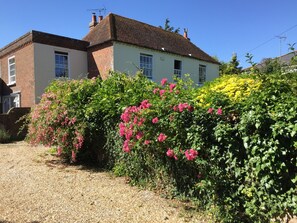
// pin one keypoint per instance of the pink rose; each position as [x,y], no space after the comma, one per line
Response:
[163,81]
[155,120]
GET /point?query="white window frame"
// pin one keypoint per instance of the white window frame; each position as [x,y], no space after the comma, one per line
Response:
[146,65]
[62,66]
[11,101]
[178,72]
[202,74]
[11,78]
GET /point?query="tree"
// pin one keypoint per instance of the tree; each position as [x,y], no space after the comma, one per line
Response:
[231,67]
[167,27]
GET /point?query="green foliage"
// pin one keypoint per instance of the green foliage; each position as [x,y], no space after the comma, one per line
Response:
[230,146]
[231,67]
[168,27]
[4,135]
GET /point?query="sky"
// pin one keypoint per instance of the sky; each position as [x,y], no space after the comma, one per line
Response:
[221,28]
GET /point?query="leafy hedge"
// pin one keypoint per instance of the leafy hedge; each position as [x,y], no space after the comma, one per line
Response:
[230,146]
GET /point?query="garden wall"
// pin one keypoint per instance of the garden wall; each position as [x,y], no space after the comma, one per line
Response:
[11,124]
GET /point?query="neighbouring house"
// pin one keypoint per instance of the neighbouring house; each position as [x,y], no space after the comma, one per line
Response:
[114,43]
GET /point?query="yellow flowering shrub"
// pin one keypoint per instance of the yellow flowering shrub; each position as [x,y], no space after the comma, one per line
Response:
[234,87]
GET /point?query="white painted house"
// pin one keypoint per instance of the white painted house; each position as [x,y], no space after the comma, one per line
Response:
[114,43]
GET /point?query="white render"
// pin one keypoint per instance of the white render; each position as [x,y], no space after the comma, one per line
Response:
[44,65]
[126,59]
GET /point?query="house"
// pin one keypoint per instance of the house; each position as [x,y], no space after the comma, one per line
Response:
[28,64]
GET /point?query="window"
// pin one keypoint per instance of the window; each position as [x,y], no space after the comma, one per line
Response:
[10,101]
[202,74]
[177,68]
[61,64]
[11,70]
[146,65]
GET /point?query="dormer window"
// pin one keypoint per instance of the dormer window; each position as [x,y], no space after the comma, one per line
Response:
[11,70]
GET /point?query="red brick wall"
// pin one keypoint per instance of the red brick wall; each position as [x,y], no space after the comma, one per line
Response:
[24,61]
[100,60]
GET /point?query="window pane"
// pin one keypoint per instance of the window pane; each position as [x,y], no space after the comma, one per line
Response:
[146,65]
[61,64]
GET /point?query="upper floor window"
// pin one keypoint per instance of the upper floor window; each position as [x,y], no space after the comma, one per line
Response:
[11,70]
[202,74]
[177,68]
[146,65]
[61,64]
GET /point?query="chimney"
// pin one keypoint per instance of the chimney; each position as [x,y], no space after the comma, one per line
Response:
[100,17]
[186,34]
[94,22]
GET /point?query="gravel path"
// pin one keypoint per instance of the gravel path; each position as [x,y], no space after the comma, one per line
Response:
[36,187]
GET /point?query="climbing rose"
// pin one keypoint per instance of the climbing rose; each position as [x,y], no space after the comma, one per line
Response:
[146,142]
[210,110]
[126,147]
[171,87]
[219,111]
[162,92]
[156,90]
[163,81]
[162,137]
[155,120]
[170,153]
[139,135]
[191,154]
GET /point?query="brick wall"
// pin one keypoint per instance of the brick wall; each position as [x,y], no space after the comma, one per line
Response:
[100,60]
[12,123]
[24,61]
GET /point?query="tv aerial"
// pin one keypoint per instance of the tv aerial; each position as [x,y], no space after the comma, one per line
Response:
[101,11]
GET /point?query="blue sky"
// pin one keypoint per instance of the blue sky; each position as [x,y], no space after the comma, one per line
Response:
[219,27]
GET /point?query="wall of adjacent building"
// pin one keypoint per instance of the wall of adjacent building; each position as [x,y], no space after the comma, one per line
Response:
[24,65]
[100,60]
[127,59]
[44,60]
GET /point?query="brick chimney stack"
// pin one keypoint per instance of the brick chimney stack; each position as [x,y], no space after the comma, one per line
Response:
[186,34]
[100,17]
[94,22]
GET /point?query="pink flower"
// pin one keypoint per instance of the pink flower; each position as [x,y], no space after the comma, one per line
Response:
[163,81]
[126,146]
[156,90]
[170,152]
[175,108]
[139,135]
[219,111]
[145,104]
[162,92]
[162,137]
[146,142]
[155,120]
[73,156]
[191,154]
[128,133]
[122,129]
[125,117]
[210,110]
[141,121]
[171,87]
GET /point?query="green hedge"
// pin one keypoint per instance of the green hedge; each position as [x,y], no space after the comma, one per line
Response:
[230,146]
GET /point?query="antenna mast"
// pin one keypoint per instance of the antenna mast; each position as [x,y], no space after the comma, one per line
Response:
[280,43]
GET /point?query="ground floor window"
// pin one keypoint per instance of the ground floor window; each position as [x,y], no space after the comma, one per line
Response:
[10,101]
[146,65]
[202,74]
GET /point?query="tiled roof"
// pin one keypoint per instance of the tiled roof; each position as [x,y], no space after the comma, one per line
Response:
[44,38]
[125,30]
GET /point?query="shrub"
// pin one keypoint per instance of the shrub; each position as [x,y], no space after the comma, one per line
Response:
[4,135]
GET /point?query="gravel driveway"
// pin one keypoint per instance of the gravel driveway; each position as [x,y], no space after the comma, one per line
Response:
[36,187]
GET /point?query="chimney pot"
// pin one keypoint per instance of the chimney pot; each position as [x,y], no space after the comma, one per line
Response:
[94,22]
[100,17]
[186,34]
